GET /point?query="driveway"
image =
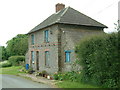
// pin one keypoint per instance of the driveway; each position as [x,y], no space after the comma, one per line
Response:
[11,81]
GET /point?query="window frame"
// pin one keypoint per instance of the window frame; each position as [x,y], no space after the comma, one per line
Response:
[32,39]
[67,56]
[33,57]
[47,58]
[46,36]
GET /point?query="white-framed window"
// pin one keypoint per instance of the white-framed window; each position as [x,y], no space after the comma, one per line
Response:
[46,35]
[47,58]
[33,56]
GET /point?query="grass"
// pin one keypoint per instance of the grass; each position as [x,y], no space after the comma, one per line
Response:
[14,70]
[69,84]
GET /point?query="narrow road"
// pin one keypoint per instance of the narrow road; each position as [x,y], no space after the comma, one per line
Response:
[11,81]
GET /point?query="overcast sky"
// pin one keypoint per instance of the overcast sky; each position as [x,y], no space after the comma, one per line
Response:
[20,16]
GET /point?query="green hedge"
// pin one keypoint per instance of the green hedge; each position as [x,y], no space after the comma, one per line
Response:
[98,55]
[6,64]
[16,60]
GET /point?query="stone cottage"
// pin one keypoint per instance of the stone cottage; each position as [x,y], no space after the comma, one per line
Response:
[52,42]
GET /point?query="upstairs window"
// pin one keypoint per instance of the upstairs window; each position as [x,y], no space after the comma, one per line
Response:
[46,36]
[32,39]
[47,58]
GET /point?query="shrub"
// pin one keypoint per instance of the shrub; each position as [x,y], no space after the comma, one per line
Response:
[7,64]
[72,76]
[44,73]
[23,69]
[38,73]
[98,56]
[55,76]
[30,70]
[16,60]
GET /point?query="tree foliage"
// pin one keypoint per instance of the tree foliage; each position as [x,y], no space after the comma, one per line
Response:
[17,45]
[117,25]
[3,53]
[16,60]
[0,53]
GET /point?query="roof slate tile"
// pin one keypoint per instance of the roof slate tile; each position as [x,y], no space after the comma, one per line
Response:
[68,16]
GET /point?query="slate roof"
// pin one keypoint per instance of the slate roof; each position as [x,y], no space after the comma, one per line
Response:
[68,16]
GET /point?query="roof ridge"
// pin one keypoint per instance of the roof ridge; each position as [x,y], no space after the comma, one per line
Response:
[68,15]
[63,13]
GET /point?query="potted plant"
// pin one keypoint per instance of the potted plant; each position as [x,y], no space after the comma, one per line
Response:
[44,73]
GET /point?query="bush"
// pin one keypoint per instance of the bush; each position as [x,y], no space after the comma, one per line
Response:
[38,73]
[72,76]
[16,60]
[98,56]
[7,64]
[30,70]
[23,70]
[44,73]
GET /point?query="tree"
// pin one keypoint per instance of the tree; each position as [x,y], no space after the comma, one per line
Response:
[17,45]
[0,53]
[3,53]
[117,26]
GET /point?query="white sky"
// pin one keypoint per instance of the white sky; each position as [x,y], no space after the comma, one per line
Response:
[20,16]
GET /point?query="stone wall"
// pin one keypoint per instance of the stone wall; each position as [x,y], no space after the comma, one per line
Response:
[42,46]
[62,37]
[70,36]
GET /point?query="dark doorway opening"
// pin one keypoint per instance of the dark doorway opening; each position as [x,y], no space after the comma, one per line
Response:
[37,60]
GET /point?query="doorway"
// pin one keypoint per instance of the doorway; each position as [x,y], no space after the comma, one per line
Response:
[37,60]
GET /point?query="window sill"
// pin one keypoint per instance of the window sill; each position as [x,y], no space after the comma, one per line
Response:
[47,66]
[68,63]
[46,42]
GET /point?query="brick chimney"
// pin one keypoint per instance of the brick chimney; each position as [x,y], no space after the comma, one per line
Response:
[59,7]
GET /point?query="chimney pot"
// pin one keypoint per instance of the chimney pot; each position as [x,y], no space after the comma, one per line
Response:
[59,7]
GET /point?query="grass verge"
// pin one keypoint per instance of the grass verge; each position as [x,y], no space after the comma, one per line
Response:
[69,84]
[14,70]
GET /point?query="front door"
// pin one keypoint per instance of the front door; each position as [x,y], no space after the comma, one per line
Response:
[37,60]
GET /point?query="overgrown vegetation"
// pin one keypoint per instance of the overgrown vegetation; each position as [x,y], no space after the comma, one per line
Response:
[16,60]
[15,51]
[0,53]
[98,56]
[72,76]
[3,53]
[30,70]
[15,47]
[13,61]
[5,64]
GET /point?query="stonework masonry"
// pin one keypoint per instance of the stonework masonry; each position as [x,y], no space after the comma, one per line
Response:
[41,46]
[62,37]
[55,39]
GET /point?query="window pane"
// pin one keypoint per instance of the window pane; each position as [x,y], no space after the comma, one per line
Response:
[47,58]
[46,36]
[67,57]
[32,38]
[32,56]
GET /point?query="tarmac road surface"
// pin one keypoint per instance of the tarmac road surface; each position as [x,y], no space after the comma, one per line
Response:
[11,81]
